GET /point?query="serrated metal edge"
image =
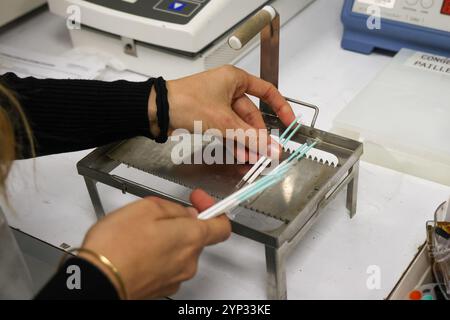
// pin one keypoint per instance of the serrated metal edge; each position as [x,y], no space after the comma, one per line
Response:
[194,187]
[313,154]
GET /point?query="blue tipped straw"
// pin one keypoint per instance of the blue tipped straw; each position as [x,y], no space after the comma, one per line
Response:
[242,195]
[254,191]
[283,136]
[298,154]
[284,143]
[264,162]
[256,188]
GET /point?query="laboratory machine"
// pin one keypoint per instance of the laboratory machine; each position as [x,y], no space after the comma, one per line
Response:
[165,37]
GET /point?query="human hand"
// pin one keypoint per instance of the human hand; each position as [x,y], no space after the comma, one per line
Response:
[155,244]
[219,99]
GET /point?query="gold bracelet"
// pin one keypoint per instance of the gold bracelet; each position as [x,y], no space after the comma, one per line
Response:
[105,261]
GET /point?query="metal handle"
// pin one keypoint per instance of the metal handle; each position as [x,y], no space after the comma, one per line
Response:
[267,22]
[308,105]
[251,28]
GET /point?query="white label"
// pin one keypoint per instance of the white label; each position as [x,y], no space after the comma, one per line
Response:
[429,62]
[381,3]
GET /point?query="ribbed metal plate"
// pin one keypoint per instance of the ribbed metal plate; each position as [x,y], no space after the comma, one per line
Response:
[283,201]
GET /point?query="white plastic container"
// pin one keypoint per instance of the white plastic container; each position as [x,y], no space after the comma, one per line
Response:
[403,117]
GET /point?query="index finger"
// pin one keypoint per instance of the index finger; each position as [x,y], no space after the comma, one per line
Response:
[271,96]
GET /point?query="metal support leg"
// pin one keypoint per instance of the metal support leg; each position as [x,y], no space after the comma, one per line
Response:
[352,190]
[276,273]
[95,197]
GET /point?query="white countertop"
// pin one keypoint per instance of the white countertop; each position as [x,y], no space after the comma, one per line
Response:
[51,201]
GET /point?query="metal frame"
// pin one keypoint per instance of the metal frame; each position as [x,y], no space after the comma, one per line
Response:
[97,167]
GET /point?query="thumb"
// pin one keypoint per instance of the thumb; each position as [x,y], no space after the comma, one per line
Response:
[201,200]
[216,230]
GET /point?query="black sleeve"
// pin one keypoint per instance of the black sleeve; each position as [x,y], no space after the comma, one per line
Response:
[93,284]
[73,115]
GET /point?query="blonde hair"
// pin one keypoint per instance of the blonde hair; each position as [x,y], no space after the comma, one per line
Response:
[10,113]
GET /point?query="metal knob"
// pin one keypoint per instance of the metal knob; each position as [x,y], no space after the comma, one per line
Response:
[252,27]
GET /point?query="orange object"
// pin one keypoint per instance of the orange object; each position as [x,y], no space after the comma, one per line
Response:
[415,295]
